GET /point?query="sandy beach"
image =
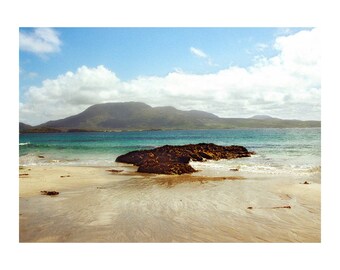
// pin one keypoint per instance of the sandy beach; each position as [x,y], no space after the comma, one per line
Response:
[96,205]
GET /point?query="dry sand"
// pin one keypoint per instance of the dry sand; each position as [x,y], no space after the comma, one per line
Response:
[94,205]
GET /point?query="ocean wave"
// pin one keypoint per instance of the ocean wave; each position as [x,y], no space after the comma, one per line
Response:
[87,147]
[24,143]
[222,167]
[29,159]
[44,159]
[315,169]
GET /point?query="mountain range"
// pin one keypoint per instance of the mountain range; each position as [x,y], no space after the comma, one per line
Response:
[128,116]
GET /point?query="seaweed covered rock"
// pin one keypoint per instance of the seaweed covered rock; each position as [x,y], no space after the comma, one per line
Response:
[171,159]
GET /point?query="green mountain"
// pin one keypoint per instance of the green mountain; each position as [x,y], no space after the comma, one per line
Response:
[140,116]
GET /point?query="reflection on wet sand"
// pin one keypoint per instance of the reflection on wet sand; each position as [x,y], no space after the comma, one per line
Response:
[94,205]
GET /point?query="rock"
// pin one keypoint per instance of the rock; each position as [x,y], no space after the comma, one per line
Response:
[275,207]
[205,155]
[50,193]
[195,157]
[183,159]
[234,170]
[306,183]
[40,156]
[165,168]
[175,159]
[285,206]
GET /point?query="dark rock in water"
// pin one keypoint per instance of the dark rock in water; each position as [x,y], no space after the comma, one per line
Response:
[40,156]
[175,159]
[205,155]
[50,193]
[195,157]
[183,159]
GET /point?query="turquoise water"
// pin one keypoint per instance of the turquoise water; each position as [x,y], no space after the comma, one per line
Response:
[289,149]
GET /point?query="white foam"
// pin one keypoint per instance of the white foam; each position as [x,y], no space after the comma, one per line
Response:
[29,159]
[24,143]
[221,167]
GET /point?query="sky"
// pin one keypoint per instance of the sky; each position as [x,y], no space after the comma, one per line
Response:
[231,72]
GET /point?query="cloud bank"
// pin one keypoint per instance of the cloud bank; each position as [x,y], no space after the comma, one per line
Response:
[287,85]
[41,41]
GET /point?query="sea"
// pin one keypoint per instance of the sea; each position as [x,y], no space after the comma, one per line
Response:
[287,150]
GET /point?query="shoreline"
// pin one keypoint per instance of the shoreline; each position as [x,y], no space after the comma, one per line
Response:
[94,205]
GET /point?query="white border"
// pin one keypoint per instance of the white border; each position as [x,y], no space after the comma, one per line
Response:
[261,13]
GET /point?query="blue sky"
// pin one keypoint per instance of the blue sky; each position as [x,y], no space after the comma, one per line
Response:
[133,53]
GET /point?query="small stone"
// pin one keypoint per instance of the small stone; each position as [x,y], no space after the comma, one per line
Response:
[49,193]
[285,206]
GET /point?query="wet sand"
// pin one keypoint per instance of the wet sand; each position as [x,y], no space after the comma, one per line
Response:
[95,205]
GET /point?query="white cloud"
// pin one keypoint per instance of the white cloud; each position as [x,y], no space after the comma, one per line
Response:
[261,46]
[41,41]
[286,85]
[28,74]
[198,52]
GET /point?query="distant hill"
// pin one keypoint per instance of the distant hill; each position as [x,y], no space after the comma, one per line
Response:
[140,116]
[133,116]
[261,117]
[23,127]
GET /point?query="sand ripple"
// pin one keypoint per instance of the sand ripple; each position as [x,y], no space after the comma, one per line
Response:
[174,209]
